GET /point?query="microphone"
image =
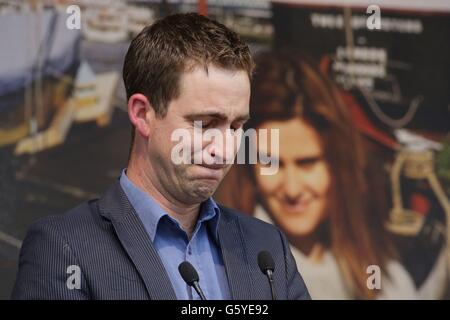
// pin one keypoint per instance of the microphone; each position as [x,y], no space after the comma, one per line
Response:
[190,276]
[267,266]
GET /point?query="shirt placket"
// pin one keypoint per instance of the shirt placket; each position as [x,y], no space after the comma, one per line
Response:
[193,259]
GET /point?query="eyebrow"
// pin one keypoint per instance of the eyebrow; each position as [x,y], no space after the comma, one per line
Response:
[310,159]
[218,115]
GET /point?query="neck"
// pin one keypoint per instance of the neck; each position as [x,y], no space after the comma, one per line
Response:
[185,214]
[310,245]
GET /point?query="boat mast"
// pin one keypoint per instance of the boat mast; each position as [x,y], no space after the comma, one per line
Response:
[39,116]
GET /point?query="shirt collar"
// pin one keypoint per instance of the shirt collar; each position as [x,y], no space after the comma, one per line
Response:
[150,212]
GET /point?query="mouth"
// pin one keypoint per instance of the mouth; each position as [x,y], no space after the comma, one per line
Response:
[213,166]
[210,172]
[297,206]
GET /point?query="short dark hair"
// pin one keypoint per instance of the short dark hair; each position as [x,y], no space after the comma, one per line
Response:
[161,52]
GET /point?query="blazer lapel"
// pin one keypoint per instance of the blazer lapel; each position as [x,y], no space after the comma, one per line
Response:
[114,205]
[234,256]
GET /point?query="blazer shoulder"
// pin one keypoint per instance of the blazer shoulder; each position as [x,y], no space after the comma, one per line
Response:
[74,219]
[45,255]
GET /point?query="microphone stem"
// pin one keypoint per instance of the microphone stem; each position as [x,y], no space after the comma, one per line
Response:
[272,284]
[198,290]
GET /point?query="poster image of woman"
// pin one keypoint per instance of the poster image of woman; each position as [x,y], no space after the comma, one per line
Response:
[326,196]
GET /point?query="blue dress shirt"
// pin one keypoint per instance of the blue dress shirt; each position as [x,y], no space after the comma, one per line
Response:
[173,245]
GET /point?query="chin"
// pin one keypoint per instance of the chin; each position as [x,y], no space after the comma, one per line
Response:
[203,190]
[298,225]
[301,232]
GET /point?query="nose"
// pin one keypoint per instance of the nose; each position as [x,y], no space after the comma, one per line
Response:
[222,148]
[293,183]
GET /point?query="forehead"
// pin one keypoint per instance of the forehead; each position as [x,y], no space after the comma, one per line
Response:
[297,138]
[228,91]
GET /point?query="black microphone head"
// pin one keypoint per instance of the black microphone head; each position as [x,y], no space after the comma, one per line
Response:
[188,273]
[265,261]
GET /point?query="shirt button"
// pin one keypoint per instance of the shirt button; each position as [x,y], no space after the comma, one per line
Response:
[189,250]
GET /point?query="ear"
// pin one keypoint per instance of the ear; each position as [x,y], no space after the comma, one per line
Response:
[141,114]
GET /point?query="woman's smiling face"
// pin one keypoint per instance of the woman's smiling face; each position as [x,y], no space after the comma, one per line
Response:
[297,195]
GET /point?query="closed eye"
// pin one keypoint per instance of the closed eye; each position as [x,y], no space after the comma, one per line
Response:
[204,122]
[308,161]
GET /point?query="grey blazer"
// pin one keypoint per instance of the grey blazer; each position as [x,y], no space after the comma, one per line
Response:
[107,242]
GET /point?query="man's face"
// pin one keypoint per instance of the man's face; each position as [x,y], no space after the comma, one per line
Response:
[219,99]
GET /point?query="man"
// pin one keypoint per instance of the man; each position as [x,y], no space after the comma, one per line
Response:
[183,70]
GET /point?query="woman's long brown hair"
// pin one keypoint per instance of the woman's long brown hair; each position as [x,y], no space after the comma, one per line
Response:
[286,85]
